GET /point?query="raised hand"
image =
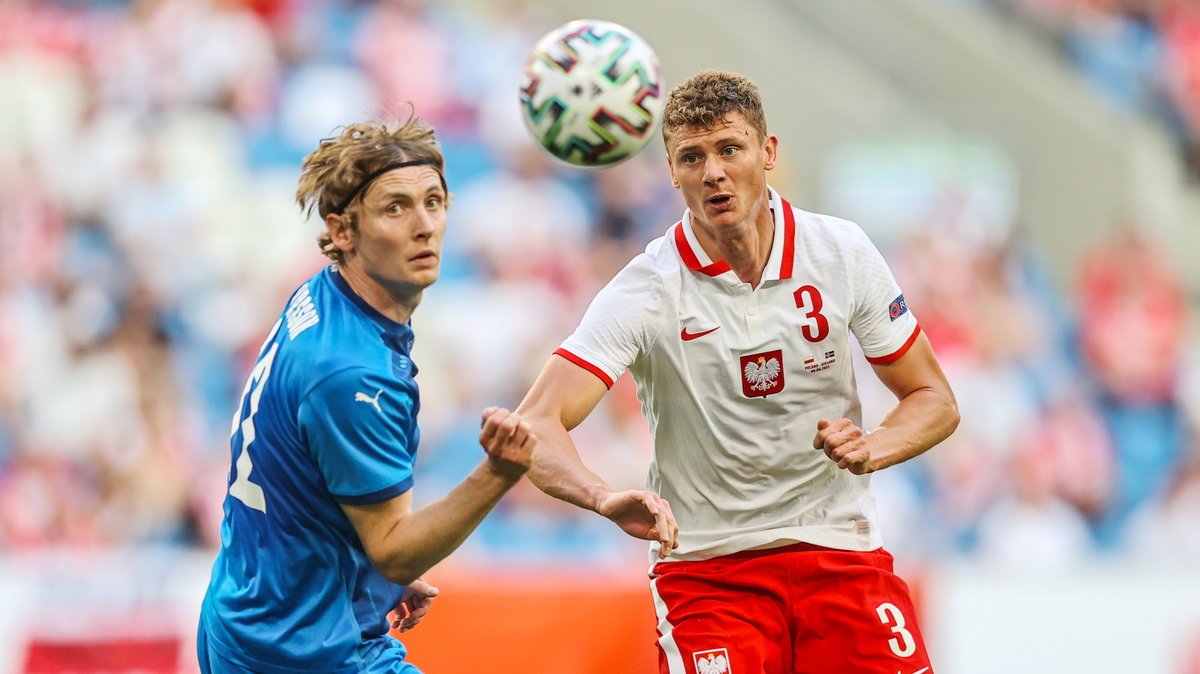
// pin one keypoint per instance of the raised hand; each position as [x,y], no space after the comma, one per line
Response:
[508,441]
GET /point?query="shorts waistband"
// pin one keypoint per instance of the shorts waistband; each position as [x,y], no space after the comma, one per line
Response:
[791,547]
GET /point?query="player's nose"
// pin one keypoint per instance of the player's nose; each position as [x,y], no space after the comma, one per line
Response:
[714,172]
[427,223]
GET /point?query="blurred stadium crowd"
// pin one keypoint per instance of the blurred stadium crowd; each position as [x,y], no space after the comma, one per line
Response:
[148,151]
[1142,56]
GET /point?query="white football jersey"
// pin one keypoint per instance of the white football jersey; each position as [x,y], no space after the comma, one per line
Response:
[733,379]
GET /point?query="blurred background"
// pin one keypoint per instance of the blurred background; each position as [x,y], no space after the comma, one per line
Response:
[1030,168]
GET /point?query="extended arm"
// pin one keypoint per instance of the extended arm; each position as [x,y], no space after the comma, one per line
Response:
[403,544]
[563,395]
[925,415]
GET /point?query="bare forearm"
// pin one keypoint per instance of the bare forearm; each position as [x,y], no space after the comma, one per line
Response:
[560,399]
[919,421]
[403,544]
[557,469]
[426,536]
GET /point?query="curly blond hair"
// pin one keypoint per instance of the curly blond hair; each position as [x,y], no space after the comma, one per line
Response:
[334,177]
[705,98]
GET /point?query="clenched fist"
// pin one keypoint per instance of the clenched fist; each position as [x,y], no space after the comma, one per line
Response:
[508,441]
[845,444]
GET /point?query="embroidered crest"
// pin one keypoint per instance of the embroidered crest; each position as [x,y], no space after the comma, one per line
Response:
[762,373]
[715,661]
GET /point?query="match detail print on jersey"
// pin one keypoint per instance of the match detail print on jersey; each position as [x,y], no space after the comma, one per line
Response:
[762,373]
[817,364]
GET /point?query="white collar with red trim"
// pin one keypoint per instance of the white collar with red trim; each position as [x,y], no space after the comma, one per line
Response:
[783,245]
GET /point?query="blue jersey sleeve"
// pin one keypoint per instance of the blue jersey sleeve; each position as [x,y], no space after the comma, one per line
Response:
[362,431]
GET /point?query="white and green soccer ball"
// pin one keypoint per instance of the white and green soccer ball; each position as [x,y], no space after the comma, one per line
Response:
[591,93]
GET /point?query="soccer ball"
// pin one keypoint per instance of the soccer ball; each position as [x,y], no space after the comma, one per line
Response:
[591,93]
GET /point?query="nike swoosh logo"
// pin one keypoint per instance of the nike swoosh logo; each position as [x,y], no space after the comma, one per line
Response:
[919,671]
[689,336]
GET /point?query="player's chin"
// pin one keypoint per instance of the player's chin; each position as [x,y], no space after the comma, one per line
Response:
[424,276]
[724,218]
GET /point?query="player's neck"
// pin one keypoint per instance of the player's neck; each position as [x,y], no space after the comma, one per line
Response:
[745,247]
[397,303]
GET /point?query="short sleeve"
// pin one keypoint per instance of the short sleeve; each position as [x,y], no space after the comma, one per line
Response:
[361,429]
[881,320]
[620,324]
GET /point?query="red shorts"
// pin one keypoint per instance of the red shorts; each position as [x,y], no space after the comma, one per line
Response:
[799,609]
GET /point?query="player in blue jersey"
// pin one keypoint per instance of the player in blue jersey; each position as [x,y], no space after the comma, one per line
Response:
[320,540]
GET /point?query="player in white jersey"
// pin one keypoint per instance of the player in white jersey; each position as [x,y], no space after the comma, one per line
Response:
[766,550]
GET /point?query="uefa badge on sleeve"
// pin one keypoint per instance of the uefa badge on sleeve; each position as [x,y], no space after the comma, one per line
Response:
[897,308]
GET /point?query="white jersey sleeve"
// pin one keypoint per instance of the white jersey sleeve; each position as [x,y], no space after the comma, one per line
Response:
[621,323]
[879,319]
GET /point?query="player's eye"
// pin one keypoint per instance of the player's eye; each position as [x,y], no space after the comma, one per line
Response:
[433,203]
[394,209]
[730,149]
[691,158]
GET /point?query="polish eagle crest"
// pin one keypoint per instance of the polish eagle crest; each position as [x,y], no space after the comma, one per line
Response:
[712,663]
[761,374]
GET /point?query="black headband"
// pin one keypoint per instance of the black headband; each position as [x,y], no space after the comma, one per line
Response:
[367,181]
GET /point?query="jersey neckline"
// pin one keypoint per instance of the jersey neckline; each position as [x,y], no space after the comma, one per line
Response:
[779,260]
[394,329]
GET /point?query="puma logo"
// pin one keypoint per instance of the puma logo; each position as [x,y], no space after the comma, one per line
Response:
[361,397]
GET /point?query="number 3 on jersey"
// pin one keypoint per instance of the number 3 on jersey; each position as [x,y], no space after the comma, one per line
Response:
[808,300]
[250,493]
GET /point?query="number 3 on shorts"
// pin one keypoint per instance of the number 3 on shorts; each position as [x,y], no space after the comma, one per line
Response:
[904,646]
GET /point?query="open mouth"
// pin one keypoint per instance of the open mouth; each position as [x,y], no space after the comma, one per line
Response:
[720,201]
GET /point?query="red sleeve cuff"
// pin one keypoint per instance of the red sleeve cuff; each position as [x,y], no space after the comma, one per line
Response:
[895,355]
[585,365]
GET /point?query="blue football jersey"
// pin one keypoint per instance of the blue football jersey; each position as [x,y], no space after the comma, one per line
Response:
[328,416]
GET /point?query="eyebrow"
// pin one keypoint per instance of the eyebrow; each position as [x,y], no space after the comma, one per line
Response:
[411,195]
[719,140]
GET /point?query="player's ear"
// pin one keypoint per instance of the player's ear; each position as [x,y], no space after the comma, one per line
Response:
[771,148]
[340,231]
[671,168]
[669,146]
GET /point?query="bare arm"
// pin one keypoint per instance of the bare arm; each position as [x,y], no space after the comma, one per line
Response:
[562,397]
[925,415]
[402,543]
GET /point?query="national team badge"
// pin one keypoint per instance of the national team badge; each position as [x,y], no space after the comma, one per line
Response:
[897,308]
[715,661]
[762,373]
